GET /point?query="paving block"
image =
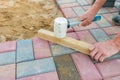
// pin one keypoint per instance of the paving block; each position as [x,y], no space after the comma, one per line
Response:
[112,36]
[86,36]
[31,68]
[103,23]
[91,26]
[45,76]
[89,1]
[7,58]
[7,72]
[109,18]
[112,9]
[70,30]
[103,10]
[73,35]
[82,2]
[78,10]
[68,13]
[86,7]
[60,50]
[109,68]
[99,35]
[24,50]
[69,5]
[41,48]
[85,67]
[116,56]
[73,22]
[113,78]
[112,30]
[7,46]
[66,68]
[65,1]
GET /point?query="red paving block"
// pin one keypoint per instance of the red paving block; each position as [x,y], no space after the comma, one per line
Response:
[112,9]
[91,26]
[109,18]
[7,72]
[70,30]
[45,76]
[109,69]
[41,48]
[73,35]
[7,46]
[68,13]
[86,36]
[85,67]
[113,78]
[112,30]
[69,5]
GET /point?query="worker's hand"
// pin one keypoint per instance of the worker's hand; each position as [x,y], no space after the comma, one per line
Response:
[87,17]
[103,50]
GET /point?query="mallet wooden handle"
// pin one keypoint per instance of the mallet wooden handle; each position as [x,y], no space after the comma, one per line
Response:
[67,41]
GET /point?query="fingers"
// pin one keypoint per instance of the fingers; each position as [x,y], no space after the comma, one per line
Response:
[97,56]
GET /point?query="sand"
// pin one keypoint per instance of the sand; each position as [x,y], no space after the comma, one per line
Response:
[21,19]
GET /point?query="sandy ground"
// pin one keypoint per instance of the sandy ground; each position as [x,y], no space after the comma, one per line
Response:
[21,19]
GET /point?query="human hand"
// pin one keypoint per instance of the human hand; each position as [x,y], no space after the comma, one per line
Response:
[87,17]
[103,50]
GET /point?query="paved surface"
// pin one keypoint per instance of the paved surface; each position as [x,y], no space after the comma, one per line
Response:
[37,59]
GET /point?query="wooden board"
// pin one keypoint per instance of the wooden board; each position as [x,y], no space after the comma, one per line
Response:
[67,41]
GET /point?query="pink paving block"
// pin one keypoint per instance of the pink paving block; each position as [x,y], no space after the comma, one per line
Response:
[112,9]
[45,76]
[86,36]
[113,78]
[85,67]
[112,30]
[91,26]
[7,46]
[41,48]
[109,68]
[70,30]
[73,35]
[68,13]
[89,1]
[109,18]
[7,72]
[69,5]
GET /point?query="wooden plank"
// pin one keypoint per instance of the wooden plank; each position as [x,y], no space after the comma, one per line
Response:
[67,41]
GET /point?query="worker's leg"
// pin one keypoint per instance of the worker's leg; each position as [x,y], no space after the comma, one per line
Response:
[116,19]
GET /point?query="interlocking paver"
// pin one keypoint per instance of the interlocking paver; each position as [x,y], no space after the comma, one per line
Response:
[91,26]
[69,5]
[60,50]
[65,68]
[112,9]
[83,2]
[68,13]
[45,76]
[78,10]
[24,50]
[85,67]
[86,36]
[109,18]
[41,48]
[35,67]
[113,78]
[103,10]
[109,68]
[7,72]
[7,58]
[70,30]
[7,46]
[65,1]
[103,23]
[112,30]
[73,35]
[99,35]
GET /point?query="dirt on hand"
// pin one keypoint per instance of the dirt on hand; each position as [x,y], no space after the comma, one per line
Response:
[21,19]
